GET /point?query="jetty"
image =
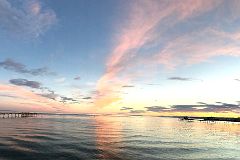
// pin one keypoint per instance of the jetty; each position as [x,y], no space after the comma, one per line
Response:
[17,114]
[211,119]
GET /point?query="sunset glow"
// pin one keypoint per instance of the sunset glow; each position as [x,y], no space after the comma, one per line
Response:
[141,57]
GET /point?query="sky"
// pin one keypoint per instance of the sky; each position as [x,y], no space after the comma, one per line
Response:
[147,57]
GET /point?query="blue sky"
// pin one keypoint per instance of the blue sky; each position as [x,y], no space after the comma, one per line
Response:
[97,57]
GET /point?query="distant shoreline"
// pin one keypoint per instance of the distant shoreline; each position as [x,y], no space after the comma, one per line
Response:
[211,119]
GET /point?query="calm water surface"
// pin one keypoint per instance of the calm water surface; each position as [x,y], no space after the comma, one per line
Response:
[120,138]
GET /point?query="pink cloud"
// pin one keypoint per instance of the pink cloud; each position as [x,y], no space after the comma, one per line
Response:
[198,47]
[145,16]
[35,7]
[140,30]
[22,98]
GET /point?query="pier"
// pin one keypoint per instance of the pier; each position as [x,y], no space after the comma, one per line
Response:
[18,115]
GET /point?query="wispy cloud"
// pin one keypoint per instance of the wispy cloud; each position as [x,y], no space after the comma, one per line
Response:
[28,18]
[25,82]
[9,96]
[50,95]
[128,86]
[142,31]
[137,111]
[59,98]
[68,99]
[86,98]
[157,109]
[153,84]
[180,79]
[44,91]
[197,47]
[77,78]
[126,108]
[32,101]
[12,65]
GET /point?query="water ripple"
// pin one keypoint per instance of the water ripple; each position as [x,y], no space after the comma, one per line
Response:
[116,138]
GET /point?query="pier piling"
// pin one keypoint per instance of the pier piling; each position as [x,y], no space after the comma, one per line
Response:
[18,115]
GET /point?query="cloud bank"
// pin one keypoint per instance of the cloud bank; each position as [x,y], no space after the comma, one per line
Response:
[218,107]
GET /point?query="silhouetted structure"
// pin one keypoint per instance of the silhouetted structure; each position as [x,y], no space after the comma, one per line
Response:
[187,118]
[18,115]
[221,119]
[210,119]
